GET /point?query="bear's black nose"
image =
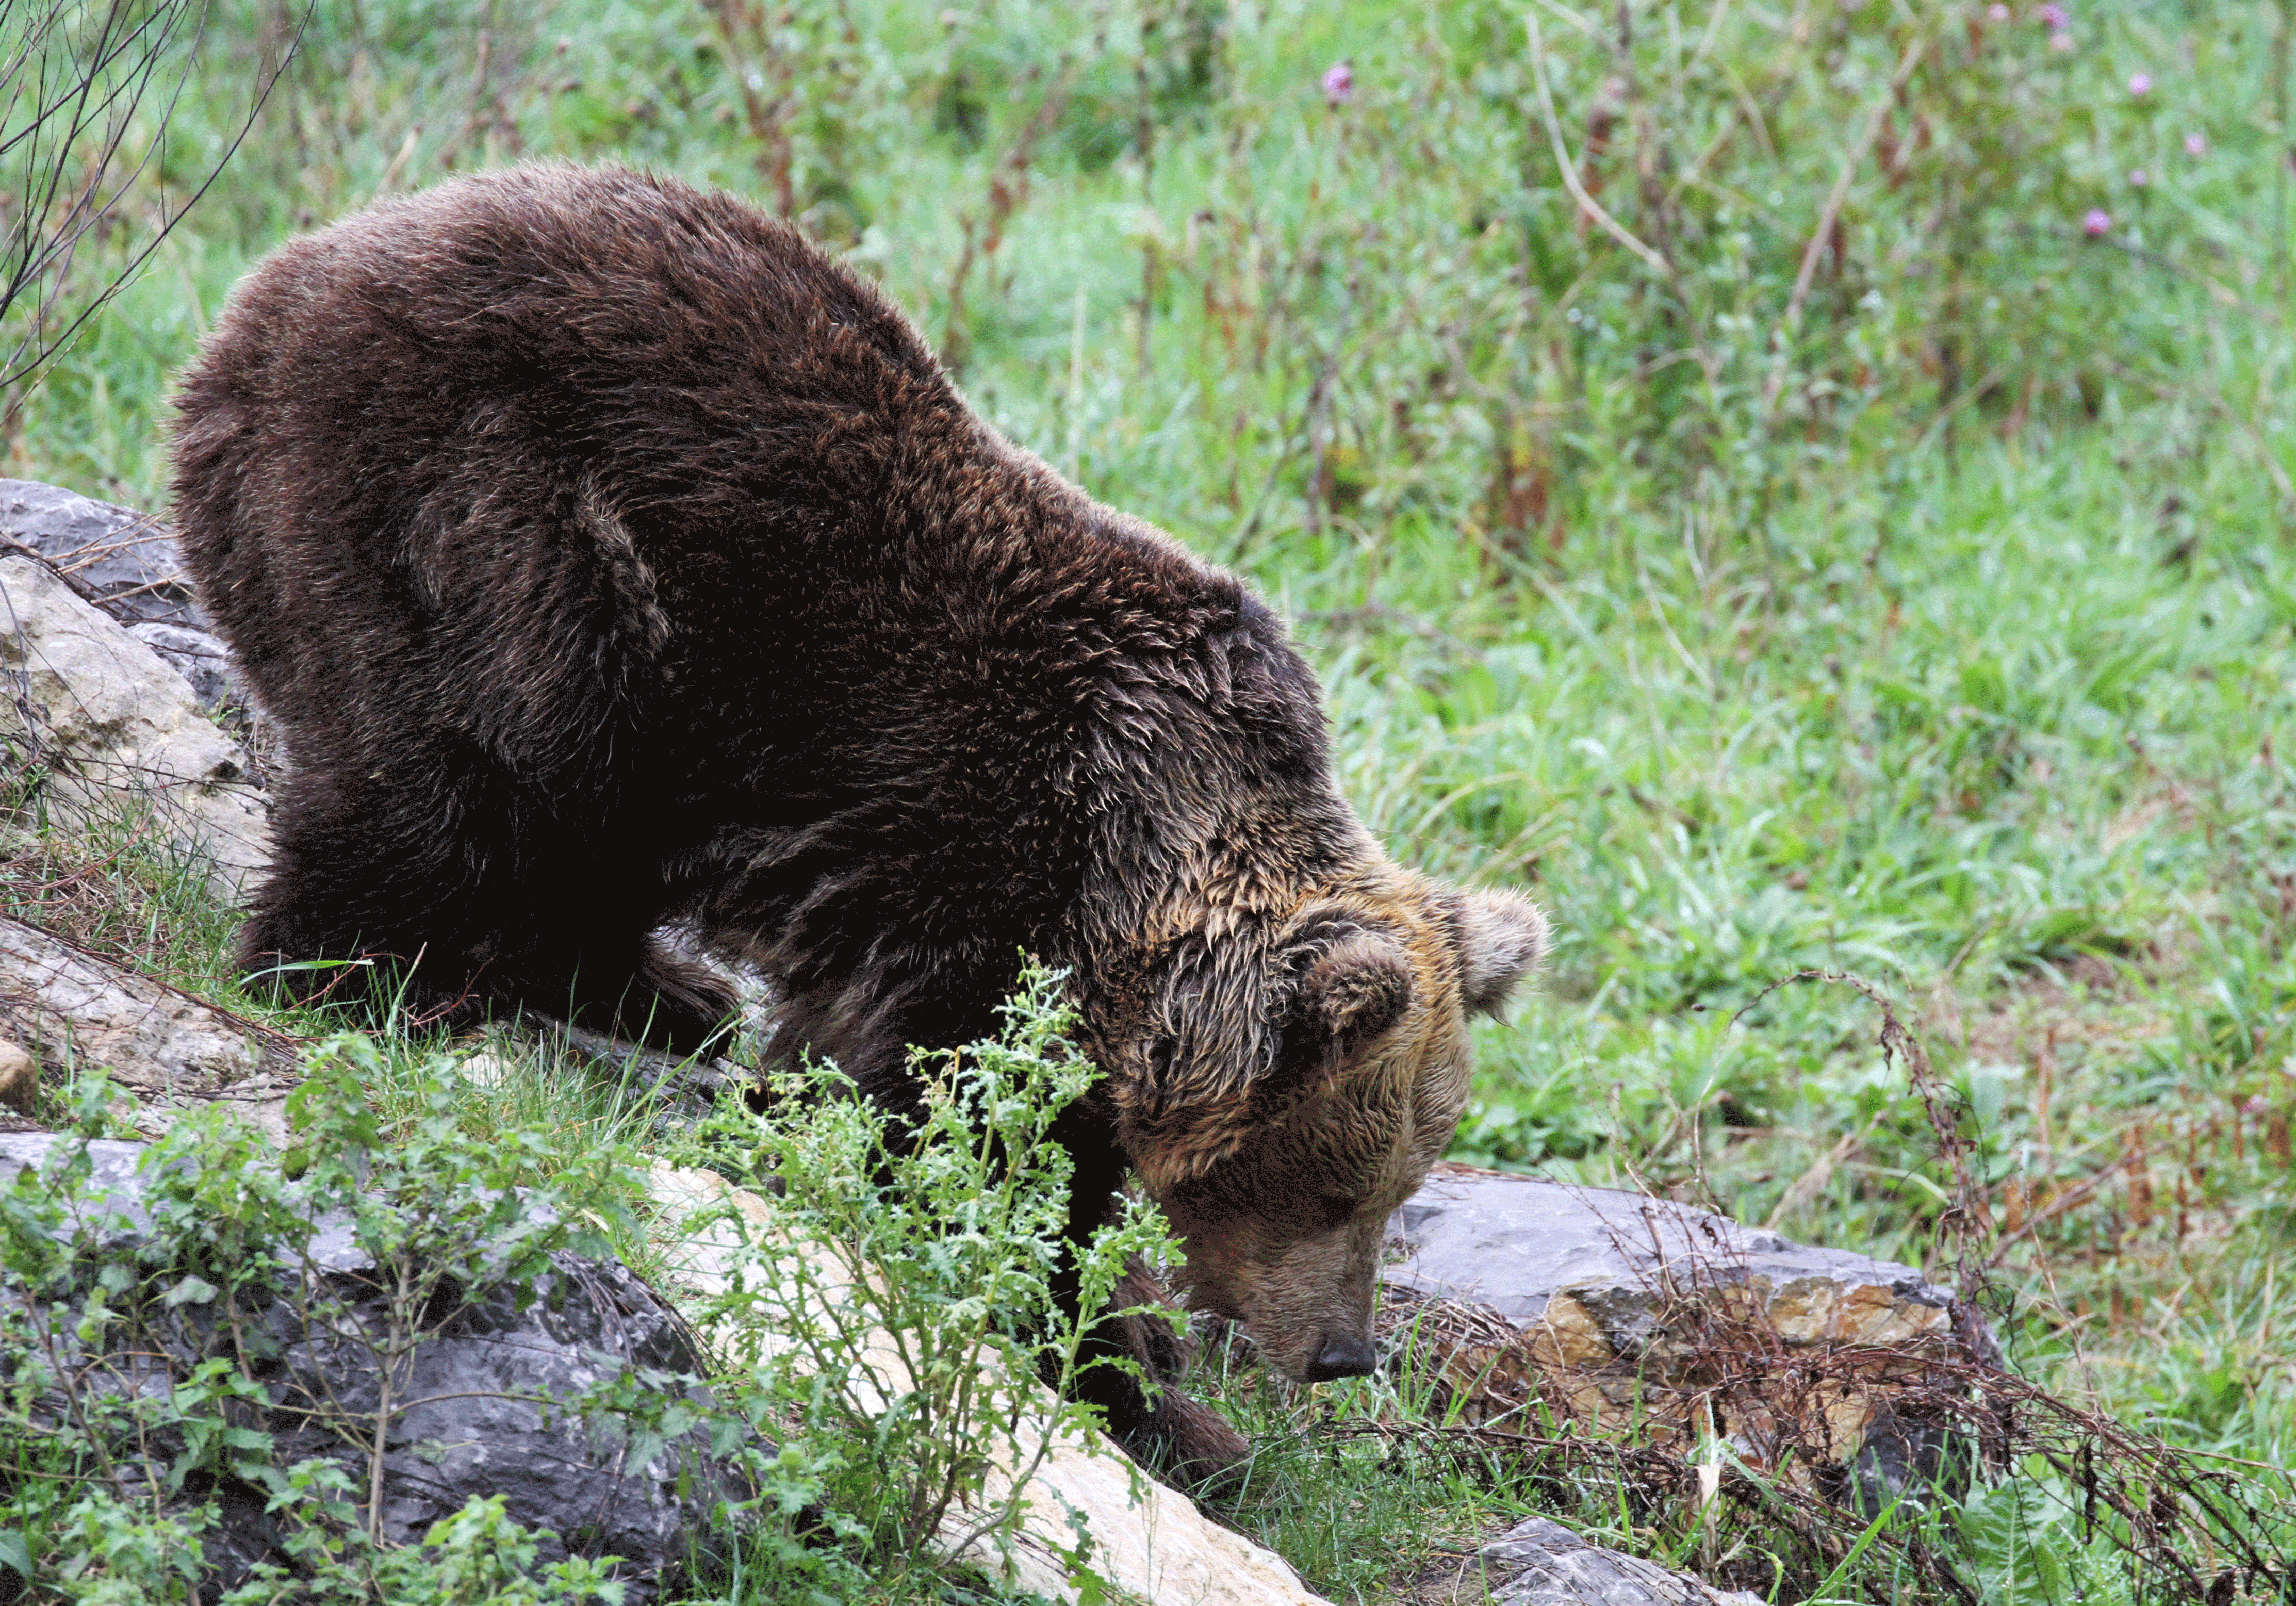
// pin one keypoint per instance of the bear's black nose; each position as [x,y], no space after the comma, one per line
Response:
[1344,1357]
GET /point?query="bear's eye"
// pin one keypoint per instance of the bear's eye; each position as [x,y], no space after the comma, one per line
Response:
[1339,1207]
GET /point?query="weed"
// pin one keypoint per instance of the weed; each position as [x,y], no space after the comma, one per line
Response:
[898,1299]
[165,1363]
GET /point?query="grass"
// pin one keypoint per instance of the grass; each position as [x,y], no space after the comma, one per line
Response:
[1935,624]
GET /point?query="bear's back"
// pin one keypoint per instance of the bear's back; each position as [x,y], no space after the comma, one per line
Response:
[603,300]
[626,492]
[477,451]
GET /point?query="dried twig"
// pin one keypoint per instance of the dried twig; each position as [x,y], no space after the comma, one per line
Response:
[72,92]
[1008,192]
[1967,1218]
[1587,204]
[1851,161]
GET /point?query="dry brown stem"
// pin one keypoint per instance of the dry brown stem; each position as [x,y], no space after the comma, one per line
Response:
[79,91]
[1008,192]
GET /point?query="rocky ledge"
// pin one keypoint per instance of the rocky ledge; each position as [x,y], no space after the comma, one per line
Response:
[1628,1315]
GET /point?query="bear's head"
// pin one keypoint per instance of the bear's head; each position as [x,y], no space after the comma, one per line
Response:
[1298,1068]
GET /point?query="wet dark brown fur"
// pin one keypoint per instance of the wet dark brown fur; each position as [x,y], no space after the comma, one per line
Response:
[611,557]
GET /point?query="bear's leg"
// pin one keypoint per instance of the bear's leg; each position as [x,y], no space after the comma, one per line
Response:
[1173,1433]
[464,927]
[362,904]
[633,988]
[1162,1428]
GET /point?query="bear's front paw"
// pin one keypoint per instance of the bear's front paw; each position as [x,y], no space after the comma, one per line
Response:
[1194,1447]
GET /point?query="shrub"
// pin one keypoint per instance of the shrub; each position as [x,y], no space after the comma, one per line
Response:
[897,1306]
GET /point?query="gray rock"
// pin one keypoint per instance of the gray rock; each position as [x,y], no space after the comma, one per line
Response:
[1514,1243]
[115,728]
[1903,1452]
[201,659]
[128,560]
[487,1388]
[126,564]
[1542,1563]
[1633,1314]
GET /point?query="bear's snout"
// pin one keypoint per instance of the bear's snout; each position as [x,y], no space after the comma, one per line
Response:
[1343,1355]
[1303,1295]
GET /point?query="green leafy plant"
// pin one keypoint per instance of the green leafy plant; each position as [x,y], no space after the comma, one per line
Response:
[897,1301]
[894,1325]
[134,1395]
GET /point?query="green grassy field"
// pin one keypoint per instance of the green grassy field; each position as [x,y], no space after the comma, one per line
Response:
[1866,546]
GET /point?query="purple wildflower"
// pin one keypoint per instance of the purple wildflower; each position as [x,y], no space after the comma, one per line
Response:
[2061,41]
[1339,84]
[2138,177]
[2140,84]
[2054,16]
[2196,144]
[2096,223]
[1997,12]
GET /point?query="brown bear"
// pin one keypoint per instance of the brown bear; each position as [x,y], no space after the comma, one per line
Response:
[611,557]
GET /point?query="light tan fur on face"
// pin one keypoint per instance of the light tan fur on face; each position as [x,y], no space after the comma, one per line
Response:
[1294,1264]
[1282,1183]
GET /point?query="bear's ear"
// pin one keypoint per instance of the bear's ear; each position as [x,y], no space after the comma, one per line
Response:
[1502,938]
[1350,986]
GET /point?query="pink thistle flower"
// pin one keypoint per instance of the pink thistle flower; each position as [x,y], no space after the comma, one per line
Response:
[2140,84]
[2138,177]
[1339,84]
[2061,41]
[2054,16]
[1997,12]
[2196,144]
[2096,223]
